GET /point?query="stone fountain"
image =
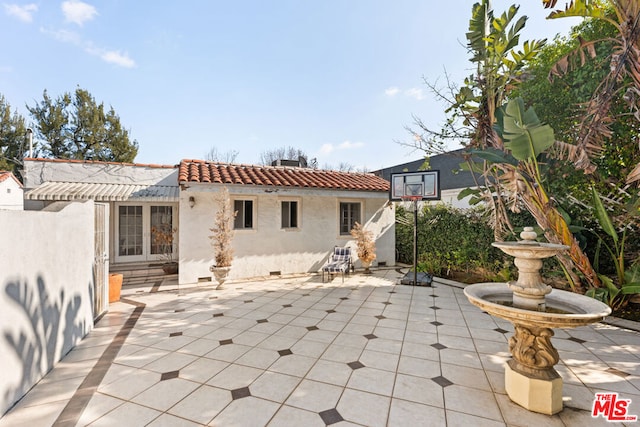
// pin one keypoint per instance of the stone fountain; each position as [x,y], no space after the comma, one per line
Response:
[534,308]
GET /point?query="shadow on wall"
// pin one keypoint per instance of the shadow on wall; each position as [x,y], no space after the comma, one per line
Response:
[34,338]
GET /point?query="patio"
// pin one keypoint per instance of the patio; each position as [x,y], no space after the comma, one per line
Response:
[297,352]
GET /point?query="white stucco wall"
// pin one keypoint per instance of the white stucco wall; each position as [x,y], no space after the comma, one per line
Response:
[11,195]
[46,275]
[41,171]
[268,248]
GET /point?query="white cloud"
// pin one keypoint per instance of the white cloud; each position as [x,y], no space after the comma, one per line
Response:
[346,145]
[65,36]
[392,91]
[117,58]
[415,92]
[23,13]
[78,12]
[110,56]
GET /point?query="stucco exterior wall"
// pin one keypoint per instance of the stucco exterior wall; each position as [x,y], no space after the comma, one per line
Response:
[268,248]
[11,195]
[46,275]
[40,171]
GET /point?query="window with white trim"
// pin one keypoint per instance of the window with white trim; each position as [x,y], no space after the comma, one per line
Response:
[349,215]
[244,216]
[289,214]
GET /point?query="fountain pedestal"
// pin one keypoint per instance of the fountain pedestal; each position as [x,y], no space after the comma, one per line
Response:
[534,309]
[530,379]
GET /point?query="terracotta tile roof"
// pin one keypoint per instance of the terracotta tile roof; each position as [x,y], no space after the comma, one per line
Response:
[4,175]
[38,159]
[278,176]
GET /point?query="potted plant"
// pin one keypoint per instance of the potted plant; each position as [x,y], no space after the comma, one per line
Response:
[221,238]
[365,246]
[163,237]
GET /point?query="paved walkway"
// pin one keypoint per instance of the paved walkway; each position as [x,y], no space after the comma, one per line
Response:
[297,352]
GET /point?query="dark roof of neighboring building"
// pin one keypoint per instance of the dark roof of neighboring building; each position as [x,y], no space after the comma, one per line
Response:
[199,171]
[451,175]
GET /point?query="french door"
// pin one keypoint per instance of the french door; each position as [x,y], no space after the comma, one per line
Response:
[133,231]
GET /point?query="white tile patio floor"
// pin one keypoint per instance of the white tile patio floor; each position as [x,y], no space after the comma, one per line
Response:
[297,352]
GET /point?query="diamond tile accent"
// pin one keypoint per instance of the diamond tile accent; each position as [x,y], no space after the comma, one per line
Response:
[330,311]
[218,314]
[344,298]
[287,305]
[436,323]
[380,317]
[500,330]
[305,295]
[169,375]
[617,372]
[441,381]
[312,328]
[179,310]
[331,416]
[285,352]
[175,334]
[370,336]
[438,346]
[387,303]
[392,292]
[578,340]
[213,297]
[434,295]
[248,301]
[435,307]
[226,342]
[355,365]
[262,320]
[239,393]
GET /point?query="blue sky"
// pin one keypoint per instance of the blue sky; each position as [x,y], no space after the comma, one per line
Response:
[338,79]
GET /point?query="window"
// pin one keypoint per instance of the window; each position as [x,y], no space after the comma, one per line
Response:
[289,214]
[349,215]
[130,230]
[244,215]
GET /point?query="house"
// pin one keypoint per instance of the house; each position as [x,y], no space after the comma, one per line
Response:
[452,178]
[11,197]
[138,197]
[289,218]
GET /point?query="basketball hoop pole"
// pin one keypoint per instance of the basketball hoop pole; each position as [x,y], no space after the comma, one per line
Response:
[415,242]
[414,201]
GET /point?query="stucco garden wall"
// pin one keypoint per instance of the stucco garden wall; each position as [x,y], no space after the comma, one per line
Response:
[46,275]
[268,248]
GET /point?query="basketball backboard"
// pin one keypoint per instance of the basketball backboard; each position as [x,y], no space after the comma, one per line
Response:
[425,184]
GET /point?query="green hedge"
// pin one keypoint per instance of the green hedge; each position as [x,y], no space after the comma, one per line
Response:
[450,239]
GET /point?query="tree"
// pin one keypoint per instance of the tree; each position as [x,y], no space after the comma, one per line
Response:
[228,156]
[560,102]
[622,78]
[76,127]
[509,139]
[284,153]
[13,133]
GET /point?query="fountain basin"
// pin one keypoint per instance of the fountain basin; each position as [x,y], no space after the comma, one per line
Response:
[529,249]
[577,310]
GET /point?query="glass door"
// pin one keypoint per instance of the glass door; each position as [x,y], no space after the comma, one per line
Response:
[139,229]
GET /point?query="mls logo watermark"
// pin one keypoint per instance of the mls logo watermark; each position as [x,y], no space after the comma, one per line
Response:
[612,408]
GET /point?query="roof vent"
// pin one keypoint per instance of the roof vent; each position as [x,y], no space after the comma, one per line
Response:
[301,162]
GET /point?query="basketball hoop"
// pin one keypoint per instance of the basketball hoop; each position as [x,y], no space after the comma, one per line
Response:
[411,198]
